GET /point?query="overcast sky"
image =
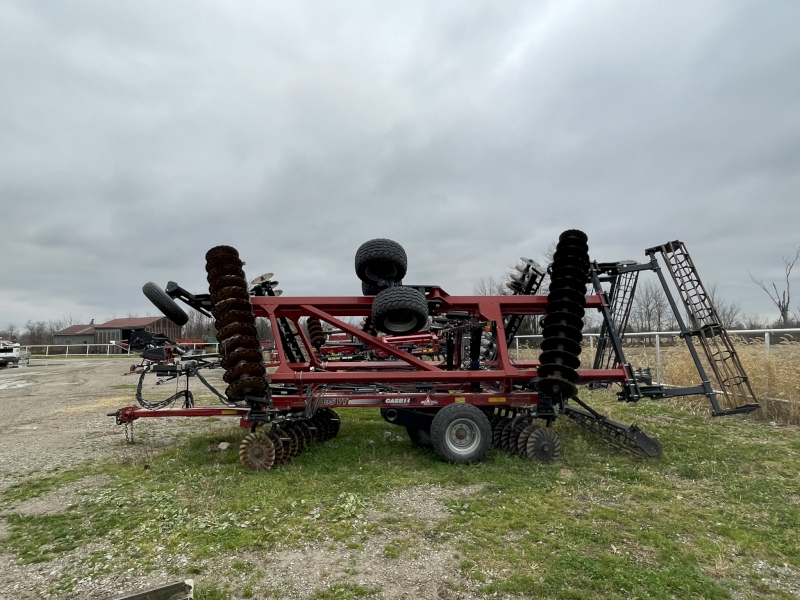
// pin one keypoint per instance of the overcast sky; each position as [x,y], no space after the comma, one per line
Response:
[134,136]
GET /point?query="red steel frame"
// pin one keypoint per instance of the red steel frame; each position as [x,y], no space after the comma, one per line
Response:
[447,386]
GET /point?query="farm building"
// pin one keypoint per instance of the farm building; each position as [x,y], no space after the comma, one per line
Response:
[75,334]
[119,330]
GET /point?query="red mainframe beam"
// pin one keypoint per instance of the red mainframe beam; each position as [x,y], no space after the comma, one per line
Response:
[407,368]
[361,306]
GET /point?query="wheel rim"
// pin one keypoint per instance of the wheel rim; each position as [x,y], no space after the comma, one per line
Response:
[400,322]
[380,270]
[462,436]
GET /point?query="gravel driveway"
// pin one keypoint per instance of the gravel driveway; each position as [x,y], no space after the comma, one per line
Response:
[53,414]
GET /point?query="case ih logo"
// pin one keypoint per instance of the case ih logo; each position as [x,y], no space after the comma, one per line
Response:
[398,400]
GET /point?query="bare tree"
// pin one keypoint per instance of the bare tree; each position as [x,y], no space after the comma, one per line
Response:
[489,286]
[198,326]
[651,310]
[10,331]
[796,317]
[729,312]
[752,321]
[37,333]
[502,287]
[781,298]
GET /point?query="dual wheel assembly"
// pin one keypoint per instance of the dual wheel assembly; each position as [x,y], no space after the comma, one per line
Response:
[261,450]
[381,265]
[462,433]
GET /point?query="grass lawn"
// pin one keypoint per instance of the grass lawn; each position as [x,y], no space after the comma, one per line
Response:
[717,517]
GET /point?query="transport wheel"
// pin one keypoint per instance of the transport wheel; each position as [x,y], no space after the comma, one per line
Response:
[370,289]
[165,303]
[257,452]
[460,433]
[543,445]
[399,310]
[381,259]
[420,437]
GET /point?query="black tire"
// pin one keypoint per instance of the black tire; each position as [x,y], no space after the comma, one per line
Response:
[163,302]
[370,289]
[420,437]
[381,259]
[399,310]
[461,433]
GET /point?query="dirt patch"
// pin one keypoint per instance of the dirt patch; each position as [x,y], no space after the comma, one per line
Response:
[55,416]
[425,502]
[62,498]
[429,571]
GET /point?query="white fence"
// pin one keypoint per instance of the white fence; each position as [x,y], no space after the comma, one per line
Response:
[114,350]
[95,349]
[658,335]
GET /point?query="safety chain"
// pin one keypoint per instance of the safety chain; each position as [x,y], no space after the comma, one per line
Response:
[129,432]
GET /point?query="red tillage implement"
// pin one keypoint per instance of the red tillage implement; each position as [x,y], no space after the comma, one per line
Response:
[436,364]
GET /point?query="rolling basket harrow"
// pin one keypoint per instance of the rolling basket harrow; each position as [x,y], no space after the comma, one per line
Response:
[436,364]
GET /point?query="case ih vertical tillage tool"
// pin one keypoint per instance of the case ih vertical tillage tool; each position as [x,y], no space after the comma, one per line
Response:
[469,394]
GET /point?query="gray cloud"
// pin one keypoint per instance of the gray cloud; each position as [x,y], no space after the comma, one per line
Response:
[135,136]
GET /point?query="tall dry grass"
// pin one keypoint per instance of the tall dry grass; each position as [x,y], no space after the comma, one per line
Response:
[774,377]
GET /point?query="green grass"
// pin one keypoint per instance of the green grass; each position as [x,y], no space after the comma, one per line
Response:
[705,521]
